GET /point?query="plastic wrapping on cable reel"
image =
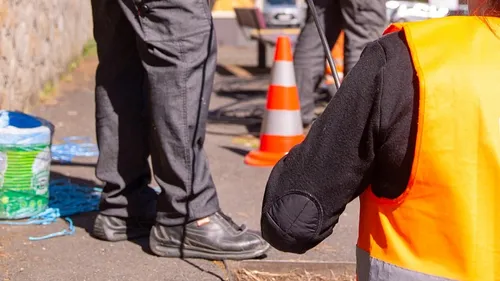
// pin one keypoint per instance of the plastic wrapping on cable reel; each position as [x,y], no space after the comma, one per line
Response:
[25,157]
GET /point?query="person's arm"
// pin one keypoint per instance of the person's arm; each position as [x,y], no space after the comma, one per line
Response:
[309,188]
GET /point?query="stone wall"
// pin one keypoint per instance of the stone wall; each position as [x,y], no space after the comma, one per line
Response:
[38,39]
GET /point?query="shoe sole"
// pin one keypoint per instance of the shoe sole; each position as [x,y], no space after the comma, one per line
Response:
[107,232]
[176,252]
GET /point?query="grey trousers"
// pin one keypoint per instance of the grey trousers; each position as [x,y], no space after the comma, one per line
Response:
[156,68]
[363,21]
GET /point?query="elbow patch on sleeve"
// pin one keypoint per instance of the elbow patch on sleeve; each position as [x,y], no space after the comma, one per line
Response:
[298,215]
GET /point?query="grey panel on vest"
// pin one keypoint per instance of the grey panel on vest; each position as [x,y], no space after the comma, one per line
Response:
[372,269]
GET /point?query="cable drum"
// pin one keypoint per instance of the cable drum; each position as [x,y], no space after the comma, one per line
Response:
[25,158]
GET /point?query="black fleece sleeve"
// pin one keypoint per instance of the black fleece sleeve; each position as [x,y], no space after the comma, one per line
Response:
[309,188]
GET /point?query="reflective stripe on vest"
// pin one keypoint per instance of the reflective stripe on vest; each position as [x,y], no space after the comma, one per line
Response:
[447,222]
[372,269]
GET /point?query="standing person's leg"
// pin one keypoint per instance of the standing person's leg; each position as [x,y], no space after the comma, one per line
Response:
[309,55]
[128,207]
[365,21]
[178,50]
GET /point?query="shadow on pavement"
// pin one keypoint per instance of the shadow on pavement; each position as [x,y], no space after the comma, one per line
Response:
[85,182]
[246,69]
[72,164]
[247,107]
[247,115]
[201,268]
[246,88]
[86,221]
[239,151]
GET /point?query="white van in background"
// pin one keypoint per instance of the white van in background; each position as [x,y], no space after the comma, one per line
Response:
[408,11]
[284,13]
[292,13]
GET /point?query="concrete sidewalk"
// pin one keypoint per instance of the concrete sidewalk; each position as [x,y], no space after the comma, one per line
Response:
[240,188]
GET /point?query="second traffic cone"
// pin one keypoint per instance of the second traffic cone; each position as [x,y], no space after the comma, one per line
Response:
[282,123]
[338,58]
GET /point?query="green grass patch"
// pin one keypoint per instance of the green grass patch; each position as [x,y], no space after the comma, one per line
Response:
[49,88]
[89,49]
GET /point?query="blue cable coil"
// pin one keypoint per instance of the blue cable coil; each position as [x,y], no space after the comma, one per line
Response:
[48,216]
[66,199]
[71,199]
[74,147]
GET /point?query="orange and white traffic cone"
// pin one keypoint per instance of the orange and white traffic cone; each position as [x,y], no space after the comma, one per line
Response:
[282,123]
[338,57]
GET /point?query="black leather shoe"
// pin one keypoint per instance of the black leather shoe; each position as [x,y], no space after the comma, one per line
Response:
[109,228]
[112,228]
[215,238]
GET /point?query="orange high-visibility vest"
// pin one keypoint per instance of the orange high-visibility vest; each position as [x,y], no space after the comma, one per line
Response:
[446,225]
